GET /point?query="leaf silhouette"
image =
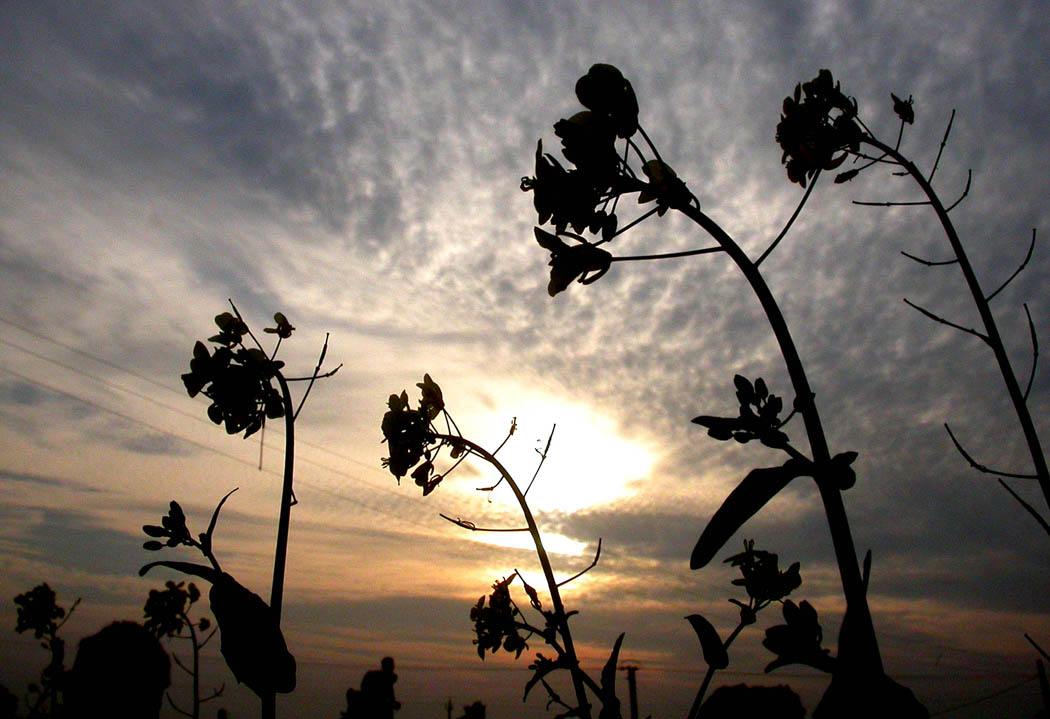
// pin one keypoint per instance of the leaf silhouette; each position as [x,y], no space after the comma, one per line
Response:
[252,643]
[610,704]
[759,486]
[710,643]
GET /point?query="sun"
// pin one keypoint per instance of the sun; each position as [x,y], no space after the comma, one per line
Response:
[589,461]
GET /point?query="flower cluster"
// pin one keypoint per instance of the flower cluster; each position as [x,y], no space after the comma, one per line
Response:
[584,197]
[410,437]
[38,611]
[166,610]
[799,639]
[818,121]
[762,578]
[237,379]
[758,419]
[172,528]
[496,625]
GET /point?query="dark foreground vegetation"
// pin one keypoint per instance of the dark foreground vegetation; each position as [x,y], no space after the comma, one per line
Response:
[613,178]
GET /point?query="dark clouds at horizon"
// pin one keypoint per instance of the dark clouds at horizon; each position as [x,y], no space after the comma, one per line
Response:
[357,167]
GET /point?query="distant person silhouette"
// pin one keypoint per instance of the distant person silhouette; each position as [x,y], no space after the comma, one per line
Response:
[376,699]
[741,701]
[119,673]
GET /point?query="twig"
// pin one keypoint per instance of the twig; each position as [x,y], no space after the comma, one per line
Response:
[1035,352]
[891,204]
[313,378]
[1026,505]
[791,219]
[543,458]
[630,224]
[944,141]
[1031,246]
[250,333]
[475,528]
[588,568]
[980,467]
[937,318]
[930,263]
[1037,647]
[965,192]
[668,255]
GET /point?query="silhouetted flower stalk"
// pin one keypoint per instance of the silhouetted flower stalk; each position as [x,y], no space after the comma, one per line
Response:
[765,584]
[251,640]
[167,613]
[415,443]
[239,381]
[892,155]
[585,199]
[39,612]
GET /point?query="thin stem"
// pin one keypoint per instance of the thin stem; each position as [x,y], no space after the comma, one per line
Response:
[668,255]
[940,150]
[980,467]
[791,220]
[1031,510]
[314,376]
[543,458]
[930,263]
[589,567]
[475,528]
[694,710]
[1035,351]
[941,320]
[868,660]
[994,340]
[629,225]
[1024,263]
[269,702]
[545,564]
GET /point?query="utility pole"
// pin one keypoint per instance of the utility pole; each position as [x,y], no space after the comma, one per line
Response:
[1043,685]
[632,689]
[448,708]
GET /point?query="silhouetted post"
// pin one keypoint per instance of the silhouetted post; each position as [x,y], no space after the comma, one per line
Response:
[448,708]
[632,689]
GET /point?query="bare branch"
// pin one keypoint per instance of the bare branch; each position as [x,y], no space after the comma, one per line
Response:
[179,664]
[475,528]
[313,378]
[944,141]
[668,255]
[937,318]
[1026,505]
[791,220]
[930,263]
[1031,246]
[891,204]
[250,333]
[588,568]
[1037,647]
[543,458]
[1035,352]
[966,191]
[980,467]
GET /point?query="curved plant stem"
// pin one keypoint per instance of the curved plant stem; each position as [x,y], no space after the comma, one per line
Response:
[281,553]
[548,573]
[867,660]
[694,710]
[991,330]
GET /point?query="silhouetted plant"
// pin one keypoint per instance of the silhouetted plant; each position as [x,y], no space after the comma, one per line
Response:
[415,441]
[765,583]
[39,612]
[167,613]
[239,381]
[586,198]
[251,640]
[808,118]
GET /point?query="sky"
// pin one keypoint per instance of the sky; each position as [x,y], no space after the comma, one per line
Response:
[356,166]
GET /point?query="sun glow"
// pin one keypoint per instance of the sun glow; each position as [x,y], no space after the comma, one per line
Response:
[588,463]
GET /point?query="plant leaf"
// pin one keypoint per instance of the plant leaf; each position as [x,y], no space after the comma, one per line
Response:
[710,643]
[758,487]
